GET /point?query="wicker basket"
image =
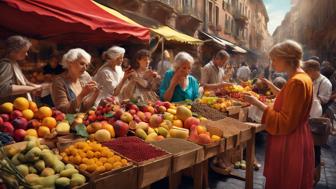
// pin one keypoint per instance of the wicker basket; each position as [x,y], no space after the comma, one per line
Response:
[208,112]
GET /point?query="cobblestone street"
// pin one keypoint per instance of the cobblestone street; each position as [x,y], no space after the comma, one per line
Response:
[216,181]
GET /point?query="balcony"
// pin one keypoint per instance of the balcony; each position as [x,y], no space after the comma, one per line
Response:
[241,19]
[166,4]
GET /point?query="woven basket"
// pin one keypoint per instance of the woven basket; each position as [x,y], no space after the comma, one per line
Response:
[207,112]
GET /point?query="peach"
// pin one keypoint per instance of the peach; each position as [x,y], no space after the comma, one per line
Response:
[28,114]
[33,106]
[7,107]
[21,103]
[44,111]
[178,123]
[43,131]
[50,122]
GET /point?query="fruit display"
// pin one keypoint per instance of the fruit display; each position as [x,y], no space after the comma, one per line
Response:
[23,118]
[200,135]
[134,148]
[42,168]
[218,103]
[92,157]
[101,131]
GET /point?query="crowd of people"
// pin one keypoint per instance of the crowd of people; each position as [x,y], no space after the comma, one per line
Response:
[302,92]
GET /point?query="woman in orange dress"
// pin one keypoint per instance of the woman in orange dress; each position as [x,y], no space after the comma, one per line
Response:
[289,159]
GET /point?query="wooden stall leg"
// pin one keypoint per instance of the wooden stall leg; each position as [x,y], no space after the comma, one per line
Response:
[250,153]
[205,174]
[175,180]
[198,176]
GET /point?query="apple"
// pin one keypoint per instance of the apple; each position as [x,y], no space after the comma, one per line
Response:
[168,116]
[155,120]
[159,138]
[162,109]
[118,114]
[120,128]
[92,117]
[166,104]
[132,111]
[132,107]
[142,125]
[111,120]
[5,117]
[15,114]
[20,123]
[19,135]
[126,117]
[1,121]
[7,127]
[136,118]
[191,121]
[148,116]
[60,116]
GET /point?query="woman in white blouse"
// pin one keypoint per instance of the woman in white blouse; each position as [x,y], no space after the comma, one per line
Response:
[110,76]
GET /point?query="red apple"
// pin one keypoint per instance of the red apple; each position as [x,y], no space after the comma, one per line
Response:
[162,109]
[155,120]
[136,118]
[166,104]
[191,121]
[5,117]
[19,135]
[111,120]
[60,116]
[132,111]
[120,128]
[16,114]
[1,121]
[20,123]
[7,127]
[118,114]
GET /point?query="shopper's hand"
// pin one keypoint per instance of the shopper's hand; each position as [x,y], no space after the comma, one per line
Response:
[88,88]
[178,77]
[266,81]
[128,73]
[250,99]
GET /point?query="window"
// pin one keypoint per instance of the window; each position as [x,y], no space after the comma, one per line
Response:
[210,13]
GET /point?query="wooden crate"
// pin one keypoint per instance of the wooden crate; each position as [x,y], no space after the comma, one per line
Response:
[188,155]
[125,179]
[213,149]
[151,171]
[84,186]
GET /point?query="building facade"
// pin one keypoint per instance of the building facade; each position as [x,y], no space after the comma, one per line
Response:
[242,22]
[312,23]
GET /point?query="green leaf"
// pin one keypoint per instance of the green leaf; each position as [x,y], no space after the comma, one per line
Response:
[70,118]
[108,115]
[80,130]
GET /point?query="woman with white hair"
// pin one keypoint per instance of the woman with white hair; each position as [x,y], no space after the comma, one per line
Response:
[178,85]
[289,159]
[70,93]
[111,75]
[12,81]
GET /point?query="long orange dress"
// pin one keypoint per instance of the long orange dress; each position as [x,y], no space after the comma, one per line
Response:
[289,159]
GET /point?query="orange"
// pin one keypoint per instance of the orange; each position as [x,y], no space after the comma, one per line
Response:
[43,131]
[7,107]
[50,122]
[21,103]
[91,168]
[83,167]
[90,129]
[108,166]
[33,106]
[116,165]
[28,114]
[124,161]
[100,169]
[44,111]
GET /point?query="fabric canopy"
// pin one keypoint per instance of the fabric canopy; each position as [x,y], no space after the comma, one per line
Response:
[164,31]
[224,43]
[66,21]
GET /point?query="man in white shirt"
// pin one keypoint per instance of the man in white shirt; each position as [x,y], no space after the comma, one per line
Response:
[212,76]
[244,72]
[164,65]
[322,87]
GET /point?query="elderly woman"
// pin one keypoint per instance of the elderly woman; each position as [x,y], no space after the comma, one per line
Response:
[289,153]
[143,83]
[177,84]
[12,81]
[70,93]
[111,75]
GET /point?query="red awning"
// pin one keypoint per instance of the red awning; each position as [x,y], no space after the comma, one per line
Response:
[65,21]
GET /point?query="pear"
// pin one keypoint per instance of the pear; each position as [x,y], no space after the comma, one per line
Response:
[62,182]
[23,169]
[77,180]
[33,154]
[39,165]
[140,133]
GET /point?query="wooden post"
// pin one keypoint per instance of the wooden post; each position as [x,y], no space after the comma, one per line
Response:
[205,173]
[250,153]
[198,175]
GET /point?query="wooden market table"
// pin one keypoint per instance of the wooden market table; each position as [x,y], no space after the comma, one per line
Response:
[245,133]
